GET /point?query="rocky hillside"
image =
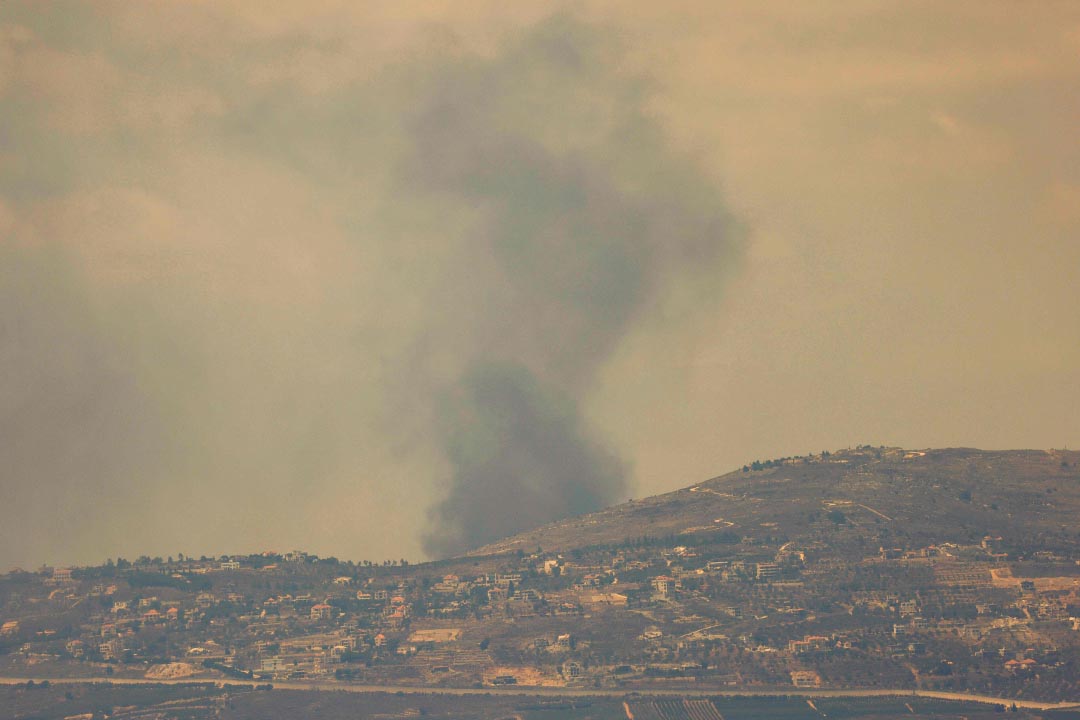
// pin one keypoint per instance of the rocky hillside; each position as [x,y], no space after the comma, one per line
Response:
[900,497]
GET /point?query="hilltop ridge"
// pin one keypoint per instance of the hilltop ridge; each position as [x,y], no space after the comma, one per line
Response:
[915,496]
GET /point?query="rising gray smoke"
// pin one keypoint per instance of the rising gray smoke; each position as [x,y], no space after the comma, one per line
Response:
[268,291]
[585,216]
[521,458]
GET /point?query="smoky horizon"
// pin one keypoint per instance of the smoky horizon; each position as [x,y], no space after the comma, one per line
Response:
[398,282]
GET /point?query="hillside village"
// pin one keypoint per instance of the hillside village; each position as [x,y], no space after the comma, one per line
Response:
[835,602]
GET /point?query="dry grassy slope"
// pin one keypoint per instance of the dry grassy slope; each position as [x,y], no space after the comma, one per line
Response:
[910,497]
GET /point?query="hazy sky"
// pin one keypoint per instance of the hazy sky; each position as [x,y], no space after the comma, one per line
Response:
[358,277]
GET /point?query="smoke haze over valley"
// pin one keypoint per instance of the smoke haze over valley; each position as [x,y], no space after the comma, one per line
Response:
[401,281]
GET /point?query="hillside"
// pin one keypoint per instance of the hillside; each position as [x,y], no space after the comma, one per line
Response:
[908,498]
[872,569]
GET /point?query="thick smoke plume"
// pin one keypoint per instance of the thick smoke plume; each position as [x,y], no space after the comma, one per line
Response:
[520,457]
[584,217]
[277,285]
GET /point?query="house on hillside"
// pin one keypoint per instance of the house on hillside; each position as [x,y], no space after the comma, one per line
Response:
[1020,667]
[664,585]
[448,585]
[805,679]
[767,571]
[572,669]
[111,649]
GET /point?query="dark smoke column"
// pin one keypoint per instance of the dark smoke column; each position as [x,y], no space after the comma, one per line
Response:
[585,216]
[521,459]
